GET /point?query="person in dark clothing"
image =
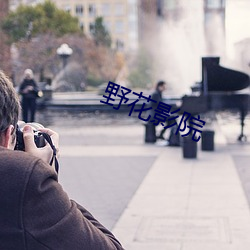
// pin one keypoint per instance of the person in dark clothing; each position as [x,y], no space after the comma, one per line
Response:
[35,212]
[29,91]
[157,96]
[173,139]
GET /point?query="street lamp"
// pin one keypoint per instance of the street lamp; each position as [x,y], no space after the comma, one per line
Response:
[64,51]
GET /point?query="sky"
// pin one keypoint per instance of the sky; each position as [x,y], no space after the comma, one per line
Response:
[237,23]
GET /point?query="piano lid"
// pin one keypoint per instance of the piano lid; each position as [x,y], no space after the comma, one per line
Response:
[217,78]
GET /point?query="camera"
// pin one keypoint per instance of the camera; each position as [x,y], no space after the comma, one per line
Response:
[38,137]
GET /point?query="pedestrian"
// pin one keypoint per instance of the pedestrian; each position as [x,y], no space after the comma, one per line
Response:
[174,138]
[157,96]
[35,212]
[29,92]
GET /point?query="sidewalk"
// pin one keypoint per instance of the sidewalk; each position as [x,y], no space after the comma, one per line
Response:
[156,199]
[188,204]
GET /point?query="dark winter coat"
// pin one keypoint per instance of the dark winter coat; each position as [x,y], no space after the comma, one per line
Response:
[32,93]
[36,214]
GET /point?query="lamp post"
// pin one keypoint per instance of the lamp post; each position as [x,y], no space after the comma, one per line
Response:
[64,51]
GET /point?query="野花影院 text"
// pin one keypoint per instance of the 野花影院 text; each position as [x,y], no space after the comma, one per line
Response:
[162,113]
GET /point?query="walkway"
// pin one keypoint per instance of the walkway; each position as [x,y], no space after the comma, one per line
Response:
[186,204]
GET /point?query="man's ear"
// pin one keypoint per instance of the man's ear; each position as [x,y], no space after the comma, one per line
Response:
[7,140]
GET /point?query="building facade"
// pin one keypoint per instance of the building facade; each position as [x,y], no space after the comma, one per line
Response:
[120,18]
[15,3]
[147,10]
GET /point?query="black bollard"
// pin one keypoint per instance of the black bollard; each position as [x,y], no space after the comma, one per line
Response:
[150,134]
[207,140]
[189,147]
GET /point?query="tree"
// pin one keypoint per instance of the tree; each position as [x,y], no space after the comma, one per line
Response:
[100,33]
[141,74]
[42,18]
[5,62]
[95,64]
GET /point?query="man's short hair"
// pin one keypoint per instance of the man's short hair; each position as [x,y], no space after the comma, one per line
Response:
[159,84]
[9,104]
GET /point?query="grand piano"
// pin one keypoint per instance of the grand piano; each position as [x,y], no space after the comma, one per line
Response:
[220,89]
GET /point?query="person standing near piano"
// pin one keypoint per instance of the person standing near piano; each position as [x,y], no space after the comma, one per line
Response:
[157,96]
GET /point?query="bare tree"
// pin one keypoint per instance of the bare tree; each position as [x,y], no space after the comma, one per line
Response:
[96,61]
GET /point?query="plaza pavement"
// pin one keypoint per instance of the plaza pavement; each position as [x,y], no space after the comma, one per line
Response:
[189,204]
[177,204]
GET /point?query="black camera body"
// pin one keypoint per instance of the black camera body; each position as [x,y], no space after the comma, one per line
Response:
[38,138]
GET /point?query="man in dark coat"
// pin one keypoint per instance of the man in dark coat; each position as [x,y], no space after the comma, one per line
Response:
[156,96]
[35,212]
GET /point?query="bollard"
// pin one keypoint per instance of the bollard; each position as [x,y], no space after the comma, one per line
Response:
[150,134]
[207,140]
[189,148]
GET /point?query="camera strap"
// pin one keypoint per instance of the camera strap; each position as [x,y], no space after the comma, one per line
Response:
[48,139]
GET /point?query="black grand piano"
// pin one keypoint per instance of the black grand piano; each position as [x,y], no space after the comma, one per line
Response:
[220,89]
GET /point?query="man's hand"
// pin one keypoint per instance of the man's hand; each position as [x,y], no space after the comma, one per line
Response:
[28,89]
[45,153]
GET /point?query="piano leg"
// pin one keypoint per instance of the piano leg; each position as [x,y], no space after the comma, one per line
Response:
[243,114]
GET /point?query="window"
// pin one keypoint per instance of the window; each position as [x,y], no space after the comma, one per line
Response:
[107,25]
[119,44]
[79,10]
[92,10]
[91,27]
[119,26]
[106,9]
[119,9]
[170,4]
[82,26]
[132,10]
[132,26]
[215,4]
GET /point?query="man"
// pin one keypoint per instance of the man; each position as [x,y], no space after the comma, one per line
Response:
[157,96]
[35,212]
